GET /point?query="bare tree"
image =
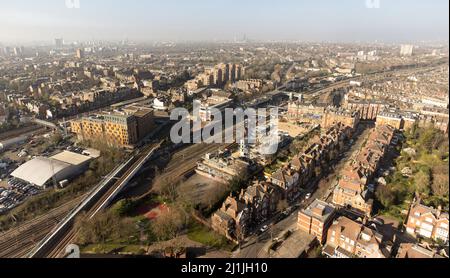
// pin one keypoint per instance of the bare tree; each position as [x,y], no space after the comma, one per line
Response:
[166,187]
[170,224]
[282,205]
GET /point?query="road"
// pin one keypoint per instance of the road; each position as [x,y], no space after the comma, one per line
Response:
[330,182]
[253,248]
[27,236]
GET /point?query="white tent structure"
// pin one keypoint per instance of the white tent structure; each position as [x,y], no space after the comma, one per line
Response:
[42,171]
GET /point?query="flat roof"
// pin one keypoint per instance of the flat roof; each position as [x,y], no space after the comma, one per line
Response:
[71,158]
[319,210]
[294,246]
[39,170]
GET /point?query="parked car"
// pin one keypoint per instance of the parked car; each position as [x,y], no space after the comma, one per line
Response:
[264,229]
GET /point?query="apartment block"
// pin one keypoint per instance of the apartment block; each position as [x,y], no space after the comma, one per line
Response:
[249,85]
[222,167]
[368,110]
[332,116]
[123,129]
[316,219]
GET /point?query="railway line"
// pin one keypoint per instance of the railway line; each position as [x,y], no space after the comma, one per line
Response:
[68,235]
[194,153]
[18,242]
[180,167]
[185,162]
[376,76]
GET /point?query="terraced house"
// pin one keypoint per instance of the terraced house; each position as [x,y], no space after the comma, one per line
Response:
[262,199]
[288,180]
[232,219]
[427,222]
[349,239]
[353,189]
[259,201]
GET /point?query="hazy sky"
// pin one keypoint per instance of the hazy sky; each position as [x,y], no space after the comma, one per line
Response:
[305,20]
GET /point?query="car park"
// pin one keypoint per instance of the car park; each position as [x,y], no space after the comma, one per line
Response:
[15,194]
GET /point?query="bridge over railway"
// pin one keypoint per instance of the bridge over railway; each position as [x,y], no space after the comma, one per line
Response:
[55,244]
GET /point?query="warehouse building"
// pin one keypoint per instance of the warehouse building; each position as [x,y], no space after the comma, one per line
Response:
[45,172]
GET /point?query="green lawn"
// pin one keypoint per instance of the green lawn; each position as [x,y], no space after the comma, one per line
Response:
[208,237]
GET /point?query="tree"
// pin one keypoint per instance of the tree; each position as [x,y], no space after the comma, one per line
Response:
[215,194]
[440,181]
[443,150]
[282,205]
[167,187]
[235,185]
[168,225]
[430,139]
[124,207]
[104,227]
[386,196]
[422,181]
[56,138]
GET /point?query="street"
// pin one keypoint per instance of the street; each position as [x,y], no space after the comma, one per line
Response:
[320,189]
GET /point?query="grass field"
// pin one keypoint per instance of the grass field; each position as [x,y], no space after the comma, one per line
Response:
[208,237]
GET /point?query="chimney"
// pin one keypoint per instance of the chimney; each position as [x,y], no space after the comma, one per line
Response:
[439,211]
[365,220]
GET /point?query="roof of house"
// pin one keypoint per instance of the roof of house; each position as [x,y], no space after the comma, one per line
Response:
[414,251]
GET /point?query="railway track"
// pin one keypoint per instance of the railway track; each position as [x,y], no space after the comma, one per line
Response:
[18,242]
[21,249]
[69,237]
[182,164]
[195,153]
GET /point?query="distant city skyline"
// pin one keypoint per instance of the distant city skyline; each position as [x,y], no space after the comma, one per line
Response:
[399,21]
